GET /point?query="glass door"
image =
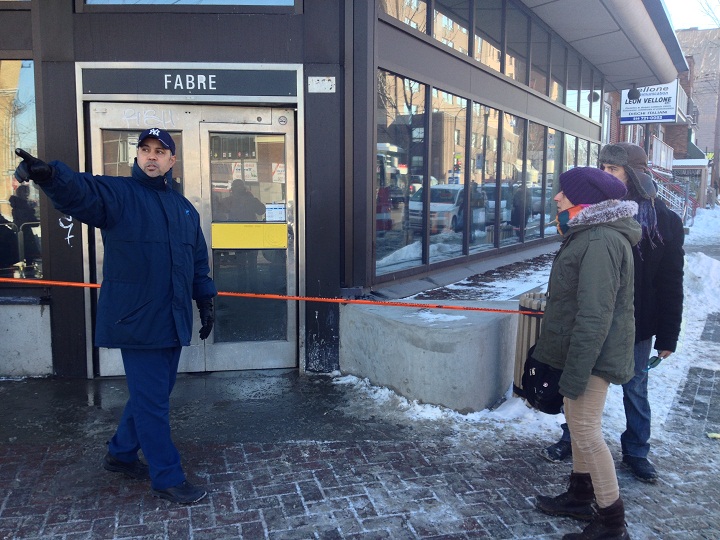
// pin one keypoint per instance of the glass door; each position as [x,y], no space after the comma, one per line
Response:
[237,166]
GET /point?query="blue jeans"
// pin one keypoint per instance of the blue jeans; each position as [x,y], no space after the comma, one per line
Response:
[145,423]
[634,440]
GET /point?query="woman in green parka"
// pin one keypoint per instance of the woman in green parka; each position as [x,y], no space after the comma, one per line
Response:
[588,332]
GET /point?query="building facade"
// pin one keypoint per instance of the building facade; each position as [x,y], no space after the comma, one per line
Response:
[387,140]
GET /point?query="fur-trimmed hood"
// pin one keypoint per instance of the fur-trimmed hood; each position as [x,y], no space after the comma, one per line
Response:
[613,213]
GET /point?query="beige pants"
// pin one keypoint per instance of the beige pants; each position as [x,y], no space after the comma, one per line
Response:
[589,451]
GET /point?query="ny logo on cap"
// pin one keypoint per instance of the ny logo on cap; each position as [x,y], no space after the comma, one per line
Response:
[154,131]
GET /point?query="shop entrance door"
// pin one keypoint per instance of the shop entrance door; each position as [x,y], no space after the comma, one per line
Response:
[237,166]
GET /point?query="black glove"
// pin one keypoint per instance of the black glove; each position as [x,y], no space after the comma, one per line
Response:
[206,316]
[32,168]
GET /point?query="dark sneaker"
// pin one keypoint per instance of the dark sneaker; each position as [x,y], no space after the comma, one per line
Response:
[557,452]
[641,468]
[184,493]
[135,469]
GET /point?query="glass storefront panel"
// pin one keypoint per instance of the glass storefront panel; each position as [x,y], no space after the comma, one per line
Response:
[483,175]
[513,185]
[193,2]
[517,44]
[399,173]
[593,160]
[248,177]
[451,24]
[540,40]
[488,33]
[582,153]
[573,81]
[570,152]
[411,12]
[586,96]
[553,170]
[447,164]
[597,103]
[257,270]
[20,231]
[557,71]
[540,195]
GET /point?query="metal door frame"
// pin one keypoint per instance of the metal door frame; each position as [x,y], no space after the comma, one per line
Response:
[124,96]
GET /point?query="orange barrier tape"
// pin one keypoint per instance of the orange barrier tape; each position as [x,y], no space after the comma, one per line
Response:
[17,281]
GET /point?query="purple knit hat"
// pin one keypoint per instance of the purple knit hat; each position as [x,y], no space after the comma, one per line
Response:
[588,185]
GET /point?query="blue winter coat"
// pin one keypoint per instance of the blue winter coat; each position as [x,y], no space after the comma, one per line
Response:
[155,258]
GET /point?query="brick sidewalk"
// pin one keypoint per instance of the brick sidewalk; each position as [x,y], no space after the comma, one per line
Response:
[283,459]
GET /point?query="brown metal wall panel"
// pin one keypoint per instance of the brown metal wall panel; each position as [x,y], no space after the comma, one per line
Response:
[15,32]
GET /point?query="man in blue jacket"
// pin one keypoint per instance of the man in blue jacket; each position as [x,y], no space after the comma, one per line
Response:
[155,264]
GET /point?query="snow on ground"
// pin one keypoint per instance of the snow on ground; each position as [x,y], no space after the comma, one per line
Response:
[701,286]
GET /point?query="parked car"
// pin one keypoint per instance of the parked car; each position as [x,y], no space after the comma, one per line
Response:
[537,205]
[506,194]
[445,201]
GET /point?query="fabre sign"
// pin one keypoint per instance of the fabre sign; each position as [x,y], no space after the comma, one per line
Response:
[656,104]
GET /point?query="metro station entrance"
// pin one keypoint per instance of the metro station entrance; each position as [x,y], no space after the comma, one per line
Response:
[237,166]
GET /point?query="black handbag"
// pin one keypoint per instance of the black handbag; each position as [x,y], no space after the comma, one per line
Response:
[541,385]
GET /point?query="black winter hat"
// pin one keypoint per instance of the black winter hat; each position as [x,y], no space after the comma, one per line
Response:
[635,161]
[588,185]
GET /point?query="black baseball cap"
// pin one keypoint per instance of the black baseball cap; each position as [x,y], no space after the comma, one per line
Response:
[161,135]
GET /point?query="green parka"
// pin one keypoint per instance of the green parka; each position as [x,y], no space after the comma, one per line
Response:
[589,327]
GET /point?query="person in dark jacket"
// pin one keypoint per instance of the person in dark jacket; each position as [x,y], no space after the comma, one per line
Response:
[23,211]
[659,261]
[587,332]
[155,264]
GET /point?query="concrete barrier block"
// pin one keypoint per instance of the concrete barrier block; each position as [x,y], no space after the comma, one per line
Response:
[25,343]
[462,360]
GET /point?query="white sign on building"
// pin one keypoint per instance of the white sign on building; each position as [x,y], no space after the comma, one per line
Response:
[656,104]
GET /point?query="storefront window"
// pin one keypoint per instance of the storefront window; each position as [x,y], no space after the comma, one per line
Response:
[488,33]
[515,197]
[20,232]
[586,95]
[570,152]
[411,12]
[517,44]
[540,195]
[557,71]
[573,81]
[399,173]
[554,159]
[582,153]
[594,155]
[540,57]
[447,166]
[451,23]
[597,103]
[483,176]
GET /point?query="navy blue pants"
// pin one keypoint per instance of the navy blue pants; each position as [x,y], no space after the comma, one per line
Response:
[145,423]
[634,440]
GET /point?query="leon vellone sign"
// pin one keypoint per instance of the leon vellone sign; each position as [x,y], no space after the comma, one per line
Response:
[656,104]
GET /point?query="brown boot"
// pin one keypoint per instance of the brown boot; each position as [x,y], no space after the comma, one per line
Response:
[608,524]
[576,502]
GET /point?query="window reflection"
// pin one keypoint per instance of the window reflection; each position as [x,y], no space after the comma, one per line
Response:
[515,196]
[488,32]
[411,12]
[557,71]
[247,174]
[573,81]
[554,159]
[399,171]
[517,44]
[582,153]
[450,23]
[540,57]
[447,198]
[194,2]
[483,176]
[540,196]
[570,152]
[20,231]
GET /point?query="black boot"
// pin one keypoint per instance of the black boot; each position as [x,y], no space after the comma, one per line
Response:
[576,502]
[608,524]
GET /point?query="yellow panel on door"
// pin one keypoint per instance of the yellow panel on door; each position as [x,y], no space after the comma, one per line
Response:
[249,235]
